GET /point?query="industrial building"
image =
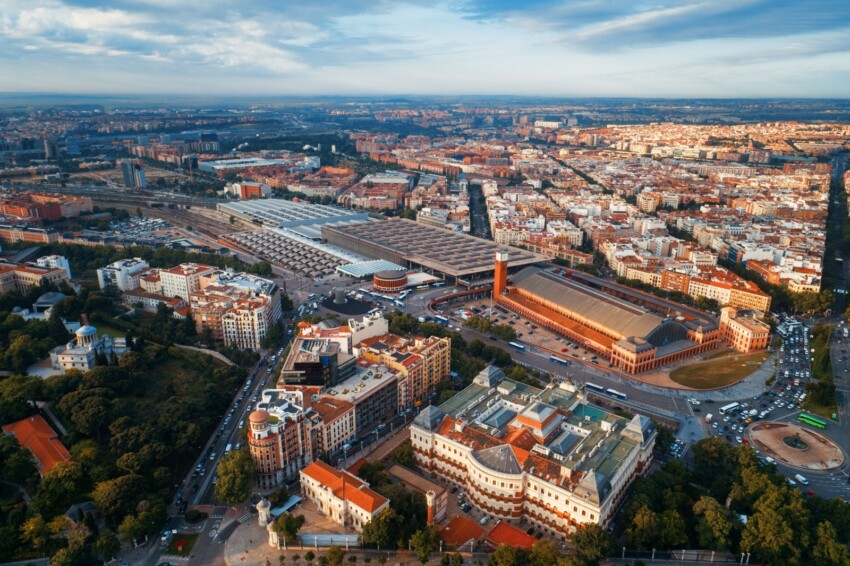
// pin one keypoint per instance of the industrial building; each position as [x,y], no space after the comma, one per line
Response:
[635,331]
[463,258]
[301,218]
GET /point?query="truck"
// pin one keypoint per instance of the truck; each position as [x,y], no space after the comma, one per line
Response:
[708,418]
[801,479]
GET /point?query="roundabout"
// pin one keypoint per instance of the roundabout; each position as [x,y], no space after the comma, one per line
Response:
[796,446]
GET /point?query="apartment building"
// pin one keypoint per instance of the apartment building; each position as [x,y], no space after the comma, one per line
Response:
[54,262]
[238,317]
[124,274]
[183,280]
[279,438]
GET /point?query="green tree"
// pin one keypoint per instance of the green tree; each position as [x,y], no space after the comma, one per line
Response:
[235,477]
[715,524]
[383,530]
[325,561]
[828,550]
[592,543]
[457,559]
[118,497]
[287,526]
[770,537]
[310,556]
[295,559]
[34,533]
[335,555]
[544,552]
[106,546]
[642,532]
[424,542]
[671,530]
[505,555]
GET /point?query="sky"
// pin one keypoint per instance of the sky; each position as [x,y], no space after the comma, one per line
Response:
[570,48]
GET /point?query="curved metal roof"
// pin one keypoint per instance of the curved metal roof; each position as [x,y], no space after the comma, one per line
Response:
[614,314]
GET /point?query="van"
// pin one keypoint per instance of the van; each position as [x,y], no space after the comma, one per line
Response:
[228,448]
[769,460]
[791,482]
[801,479]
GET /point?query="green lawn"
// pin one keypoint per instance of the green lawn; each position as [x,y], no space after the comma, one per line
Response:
[113,332]
[719,372]
[182,544]
[825,412]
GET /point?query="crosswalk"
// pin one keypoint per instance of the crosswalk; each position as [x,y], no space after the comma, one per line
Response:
[243,518]
[218,512]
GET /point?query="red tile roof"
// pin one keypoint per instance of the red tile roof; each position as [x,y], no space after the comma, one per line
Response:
[503,533]
[345,486]
[34,434]
[460,531]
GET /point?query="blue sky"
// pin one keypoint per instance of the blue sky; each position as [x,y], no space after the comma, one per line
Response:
[684,48]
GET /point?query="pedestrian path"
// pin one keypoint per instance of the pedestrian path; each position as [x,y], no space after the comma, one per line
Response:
[244,518]
[218,512]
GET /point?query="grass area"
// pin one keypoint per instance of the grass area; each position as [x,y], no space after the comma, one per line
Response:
[719,372]
[720,354]
[182,544]
[113,332]
[820,410]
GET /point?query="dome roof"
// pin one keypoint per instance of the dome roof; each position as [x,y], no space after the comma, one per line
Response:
[86,330]
[259,416]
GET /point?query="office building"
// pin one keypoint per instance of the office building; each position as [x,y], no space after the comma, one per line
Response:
[123,274]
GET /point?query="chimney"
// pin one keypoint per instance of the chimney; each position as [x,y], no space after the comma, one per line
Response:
[431,500]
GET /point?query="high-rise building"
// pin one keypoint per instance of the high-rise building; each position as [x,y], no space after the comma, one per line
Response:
[133,174]
[54,262]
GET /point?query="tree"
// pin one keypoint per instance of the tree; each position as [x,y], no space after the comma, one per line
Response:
[287,526]
[715,524]
[106,546]
[424,542]
[325,561]
[505,555]
[828,550]
[118,497]
[235,477]
[457,559]
[671,530]
[641,533]
[335,556]
[310,556]
[352,559]
[382,531]
[544,552]
[592,543]
[295,559]
[34,533]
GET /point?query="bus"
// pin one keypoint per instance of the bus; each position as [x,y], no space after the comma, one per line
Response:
[404,294]
[439,284]
[422,287]
[595,387]
[557,360]
[311,296]
[439,319]
[726,408]
[399,304]
[617,394]
[517,345]
[811,420]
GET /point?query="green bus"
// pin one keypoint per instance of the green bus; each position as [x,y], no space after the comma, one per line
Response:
[811,420]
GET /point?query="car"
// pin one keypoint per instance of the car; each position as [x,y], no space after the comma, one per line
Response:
[538,535]
[738,439]
[714,424]
[529,531]
[164,564]
[453,490]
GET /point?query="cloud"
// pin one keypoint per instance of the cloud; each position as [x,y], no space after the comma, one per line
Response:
[568,47]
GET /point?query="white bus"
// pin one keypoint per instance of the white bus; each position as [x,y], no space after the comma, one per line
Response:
[726,408]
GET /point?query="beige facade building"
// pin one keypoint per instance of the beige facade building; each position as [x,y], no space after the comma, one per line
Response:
[183,280]
[343,498]
[743,331]
[539,456]
[21,278]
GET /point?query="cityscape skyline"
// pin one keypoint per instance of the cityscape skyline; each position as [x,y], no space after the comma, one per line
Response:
[580,49]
